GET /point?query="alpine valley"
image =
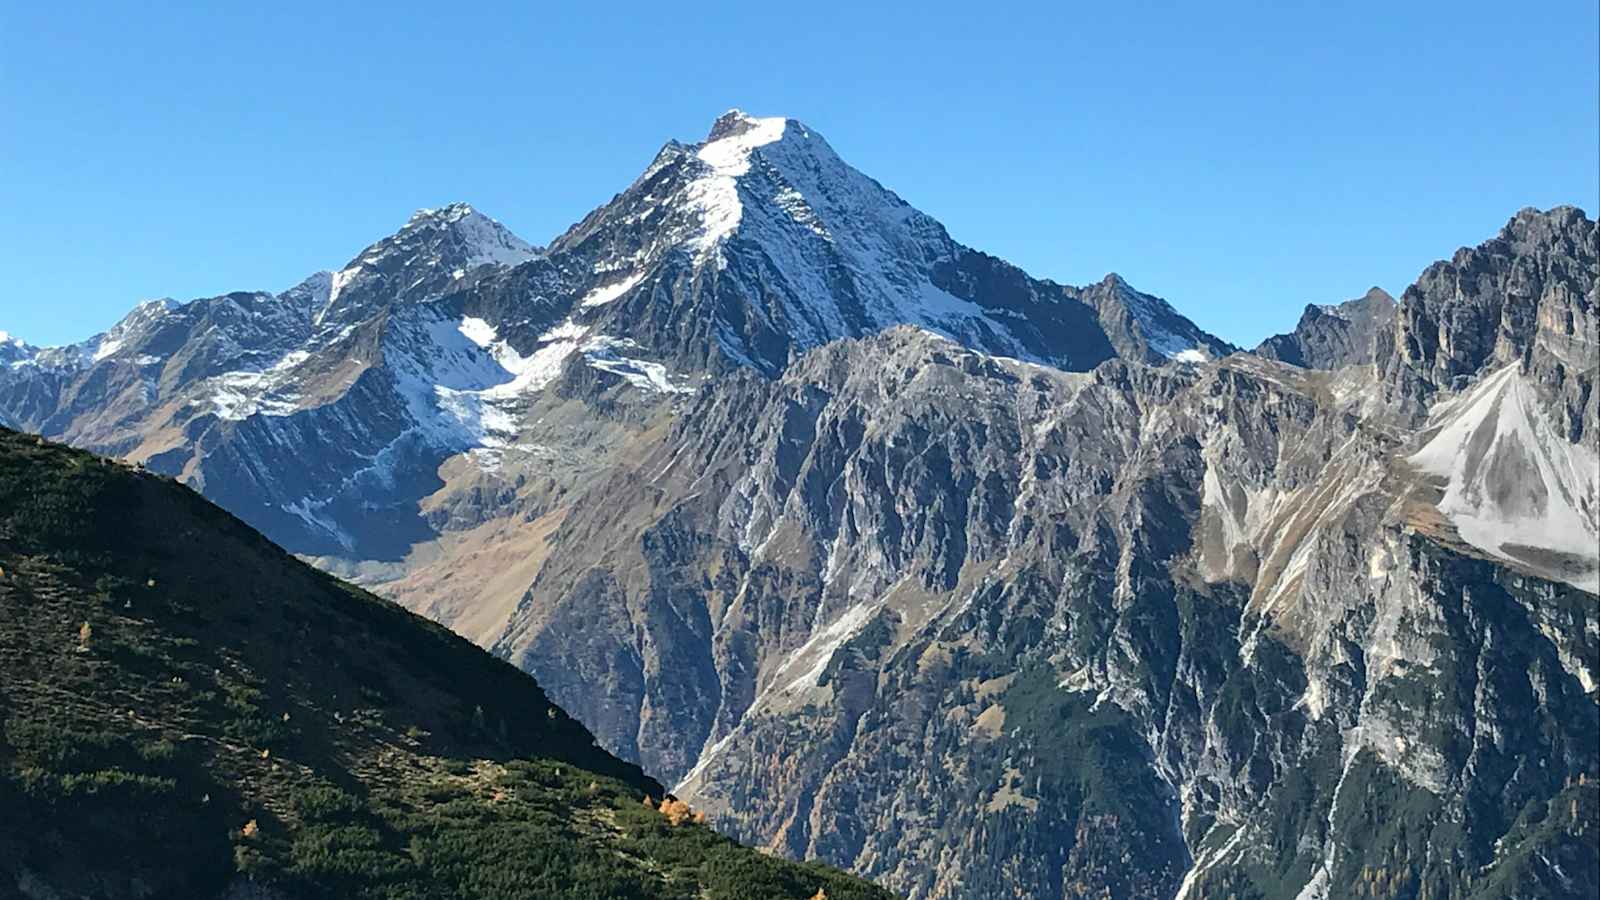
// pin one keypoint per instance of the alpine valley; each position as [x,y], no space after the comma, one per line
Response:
[888,555]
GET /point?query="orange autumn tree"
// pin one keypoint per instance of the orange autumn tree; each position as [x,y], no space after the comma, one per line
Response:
[679,812]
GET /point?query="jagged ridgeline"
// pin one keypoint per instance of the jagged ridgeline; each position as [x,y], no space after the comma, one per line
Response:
[188,711]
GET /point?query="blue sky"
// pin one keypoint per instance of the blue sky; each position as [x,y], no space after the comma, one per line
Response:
[1239,159]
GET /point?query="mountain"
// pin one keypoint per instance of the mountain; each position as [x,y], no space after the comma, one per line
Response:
[884,553]
[760,241]
[190,712]
[1257,626]
[1249,624]
[1332,337]
[452,363]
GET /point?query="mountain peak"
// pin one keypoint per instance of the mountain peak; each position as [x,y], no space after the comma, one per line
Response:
[770,206]
[735,122]
[1145,327]
[479,239]
[456,232]
[1333,335]
[435,248]
[734,136]
[447,214]
[1532,227]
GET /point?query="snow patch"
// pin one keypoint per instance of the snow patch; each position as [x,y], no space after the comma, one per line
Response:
[820,647]
[715,196]
[1206,860]
[1153,316]
[478,331]
[307,510]
[604,294]
[238,395]
[604,353]
[707,753]
[337,283]
[730,154]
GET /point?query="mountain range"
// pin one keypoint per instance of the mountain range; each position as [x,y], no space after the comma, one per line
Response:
[887,554]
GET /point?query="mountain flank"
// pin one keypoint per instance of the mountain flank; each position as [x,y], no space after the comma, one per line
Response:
[186,711]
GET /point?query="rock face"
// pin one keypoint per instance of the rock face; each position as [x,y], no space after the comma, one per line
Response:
[972,627]
[1527,297]
[978,585]
[1144,328]
[1332,337]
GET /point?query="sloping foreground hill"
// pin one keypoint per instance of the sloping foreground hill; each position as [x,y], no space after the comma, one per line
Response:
[187,711]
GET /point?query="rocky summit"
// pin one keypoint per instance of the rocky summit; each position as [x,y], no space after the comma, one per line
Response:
[884,553]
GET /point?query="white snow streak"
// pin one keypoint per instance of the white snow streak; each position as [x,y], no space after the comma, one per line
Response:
[716,195]
[604,294]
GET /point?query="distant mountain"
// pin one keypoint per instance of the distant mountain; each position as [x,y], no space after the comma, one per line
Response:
[190,712]
[1332,337]
[454,336]
[761,241]
[887,554]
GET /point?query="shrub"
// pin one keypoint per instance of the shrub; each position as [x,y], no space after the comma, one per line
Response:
[324,803]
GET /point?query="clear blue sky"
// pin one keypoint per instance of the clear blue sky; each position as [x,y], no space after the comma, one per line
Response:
[1239,159]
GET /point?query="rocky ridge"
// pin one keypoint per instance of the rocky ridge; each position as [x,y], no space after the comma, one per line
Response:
[1332,337]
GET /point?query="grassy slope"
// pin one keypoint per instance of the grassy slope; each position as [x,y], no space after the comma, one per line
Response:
[185,707]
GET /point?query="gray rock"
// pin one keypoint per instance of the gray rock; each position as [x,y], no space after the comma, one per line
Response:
[1332,337]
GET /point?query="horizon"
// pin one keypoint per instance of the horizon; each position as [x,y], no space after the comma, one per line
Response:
[1314,166]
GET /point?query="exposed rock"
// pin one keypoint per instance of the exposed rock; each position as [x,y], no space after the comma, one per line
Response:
[1332,337]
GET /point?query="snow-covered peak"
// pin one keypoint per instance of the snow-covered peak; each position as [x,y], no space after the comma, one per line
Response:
[713,194]
[799,186]
[479,239]
[14,351]
[424,259]
[133,329]
[727,149]
[731,122]
[451,212]
[312,292]
[456,235]
[819,249]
